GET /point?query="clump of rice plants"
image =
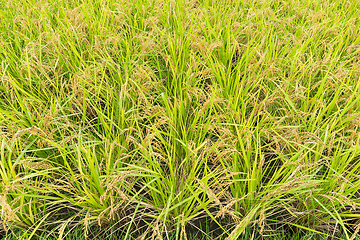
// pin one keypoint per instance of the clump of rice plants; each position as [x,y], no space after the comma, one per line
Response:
[187,119]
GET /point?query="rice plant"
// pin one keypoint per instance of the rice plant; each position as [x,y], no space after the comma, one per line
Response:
[186,119]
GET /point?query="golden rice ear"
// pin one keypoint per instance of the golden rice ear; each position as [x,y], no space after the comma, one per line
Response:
[183,234]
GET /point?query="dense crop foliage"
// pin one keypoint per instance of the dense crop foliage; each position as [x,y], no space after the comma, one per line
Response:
[155,119]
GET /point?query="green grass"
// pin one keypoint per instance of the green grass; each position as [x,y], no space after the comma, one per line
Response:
[155,118]
[78,234]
